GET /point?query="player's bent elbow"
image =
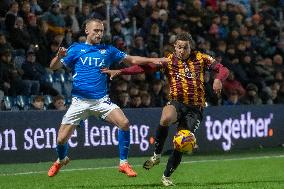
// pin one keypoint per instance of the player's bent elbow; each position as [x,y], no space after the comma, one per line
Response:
[53,67]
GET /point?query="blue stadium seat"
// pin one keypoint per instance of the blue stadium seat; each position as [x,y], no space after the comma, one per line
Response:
[68,101]
[54,81]
[10,103]
[48,78]
[67,88]
[23,102]
[60,77]
[47,100]
[69,77]
[57,86]
[67,84]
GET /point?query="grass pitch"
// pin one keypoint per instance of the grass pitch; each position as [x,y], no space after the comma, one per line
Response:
[258,169]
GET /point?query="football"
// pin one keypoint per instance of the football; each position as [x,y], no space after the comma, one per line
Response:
[184,141]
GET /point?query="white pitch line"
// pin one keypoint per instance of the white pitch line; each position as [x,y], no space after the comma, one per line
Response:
[112,167]
[234,159]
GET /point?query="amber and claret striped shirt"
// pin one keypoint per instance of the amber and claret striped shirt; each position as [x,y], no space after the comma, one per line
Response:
[186,77]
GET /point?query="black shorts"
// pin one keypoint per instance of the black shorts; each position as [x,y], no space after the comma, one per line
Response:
[188,117]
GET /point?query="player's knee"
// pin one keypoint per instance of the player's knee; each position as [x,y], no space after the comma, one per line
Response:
[165,121]
[61,140]
[124,124]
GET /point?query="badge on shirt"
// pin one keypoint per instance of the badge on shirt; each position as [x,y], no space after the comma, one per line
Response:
[103,51]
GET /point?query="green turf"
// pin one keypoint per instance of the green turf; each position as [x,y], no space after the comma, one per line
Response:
[247,170]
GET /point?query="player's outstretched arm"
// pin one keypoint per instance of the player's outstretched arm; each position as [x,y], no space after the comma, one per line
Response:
[132,70]
[144,60]
[55,62]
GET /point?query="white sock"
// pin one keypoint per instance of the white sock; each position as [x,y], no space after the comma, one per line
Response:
[157,155]
[123,161]
[61,161]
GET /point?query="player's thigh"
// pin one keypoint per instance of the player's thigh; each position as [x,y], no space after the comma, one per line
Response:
[193,119]
[78,110]
[109,111]
[169,115]
[64,133]
[118,118]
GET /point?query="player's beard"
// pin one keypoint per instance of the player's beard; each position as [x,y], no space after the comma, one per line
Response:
[96,40]
[182,56]
[185,56]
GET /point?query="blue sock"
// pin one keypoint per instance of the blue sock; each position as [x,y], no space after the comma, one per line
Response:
[61,150]
[124,142]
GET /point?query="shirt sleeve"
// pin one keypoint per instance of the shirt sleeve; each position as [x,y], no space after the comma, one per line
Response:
[116,55]
[164,65]
[208,60]
[222,72]
[69,59]
[137,69]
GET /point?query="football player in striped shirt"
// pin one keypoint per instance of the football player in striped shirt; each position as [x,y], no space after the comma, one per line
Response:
[185,73]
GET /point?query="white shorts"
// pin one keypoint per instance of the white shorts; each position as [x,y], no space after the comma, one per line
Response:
[81,109]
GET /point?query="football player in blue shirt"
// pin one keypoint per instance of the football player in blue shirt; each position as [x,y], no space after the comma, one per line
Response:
[89,93]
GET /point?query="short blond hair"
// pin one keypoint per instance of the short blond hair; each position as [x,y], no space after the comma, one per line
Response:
[88,21]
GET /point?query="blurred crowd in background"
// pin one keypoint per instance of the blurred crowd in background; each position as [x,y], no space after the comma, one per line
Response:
[244,35]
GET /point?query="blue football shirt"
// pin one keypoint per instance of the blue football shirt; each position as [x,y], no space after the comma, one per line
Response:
[86,61]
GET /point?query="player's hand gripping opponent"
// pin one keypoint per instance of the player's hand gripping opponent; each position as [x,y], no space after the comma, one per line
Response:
[111,73]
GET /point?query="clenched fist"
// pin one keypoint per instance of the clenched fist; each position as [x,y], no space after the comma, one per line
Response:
[61,52]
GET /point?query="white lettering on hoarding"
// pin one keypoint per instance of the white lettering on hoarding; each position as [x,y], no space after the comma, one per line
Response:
[144,131]
[245,127]
[95,132]
[45,138]
[113,136]
[50,132]
[28,144]
[39,138]
[134,134]
[107,135]
[38,135]
[70,141]
[8,140]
